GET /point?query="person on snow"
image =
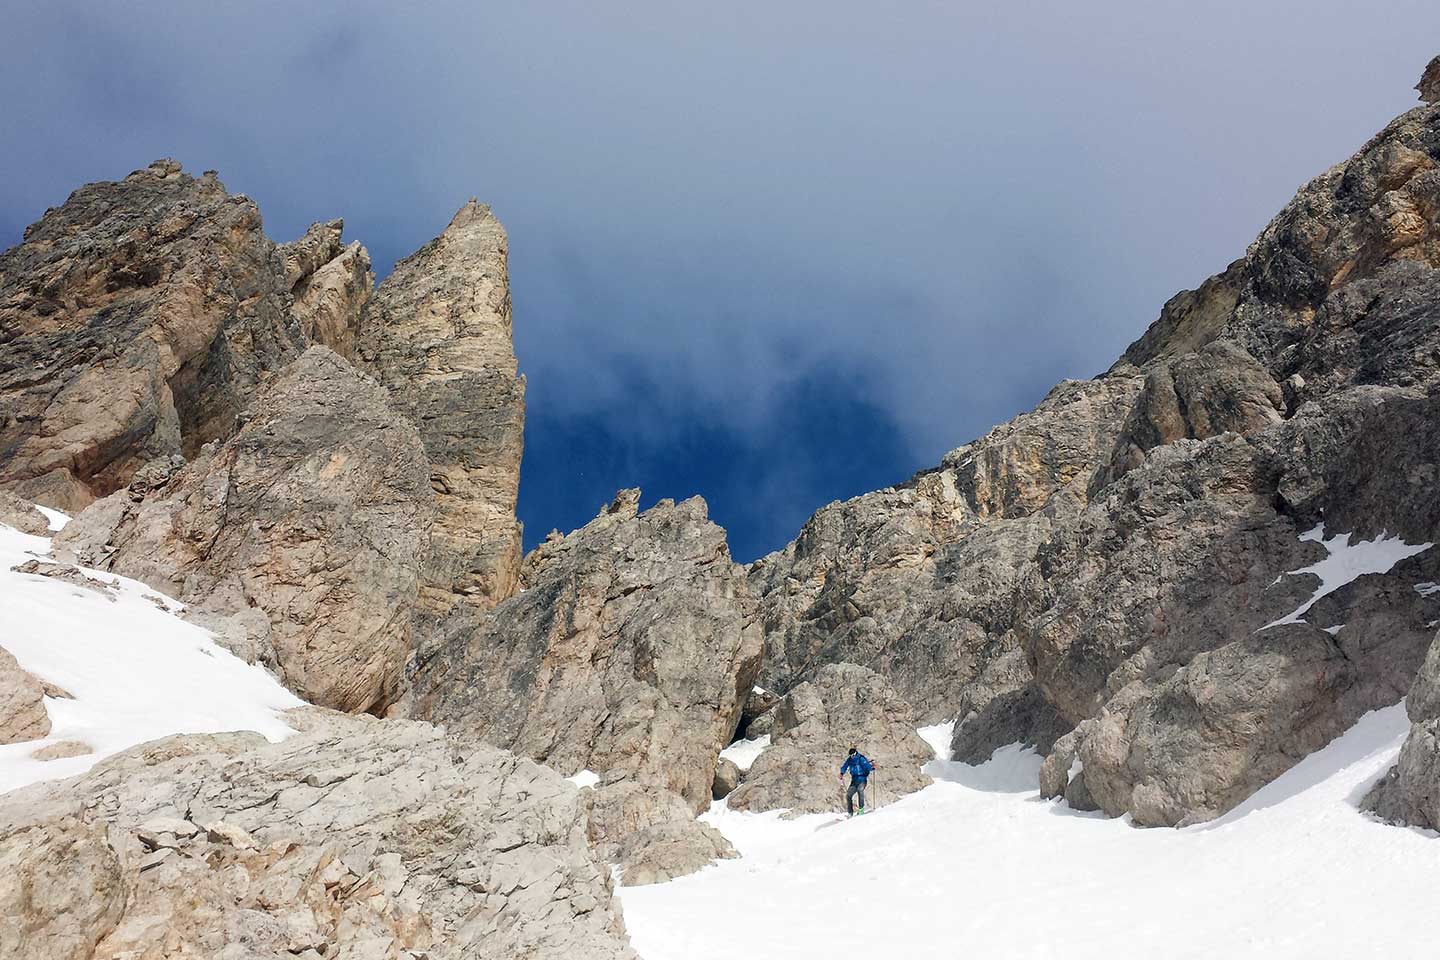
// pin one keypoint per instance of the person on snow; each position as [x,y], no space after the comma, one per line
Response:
[859,767]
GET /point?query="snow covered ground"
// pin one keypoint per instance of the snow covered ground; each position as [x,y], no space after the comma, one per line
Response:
[136,671]
[977,866]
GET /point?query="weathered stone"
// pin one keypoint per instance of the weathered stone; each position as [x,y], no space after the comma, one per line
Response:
[1410,792]
[1429,85]
[67,573]
[306,530]
[22,703]
[1216,389]
[62,750]
[817,723]
[437,335]
[727,778]
[425,849]
[1158,615]
[917,582]
[670,850]
[330,284]
[630,653]
[22,515]
[139,318]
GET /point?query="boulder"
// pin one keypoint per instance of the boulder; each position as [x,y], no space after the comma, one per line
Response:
[727,778]
[355,837]
[139,318]
[630,653]
[1409,793]
[22,703]
[300,539]
[22,515]
[437,335]
[816,724]
[670,850]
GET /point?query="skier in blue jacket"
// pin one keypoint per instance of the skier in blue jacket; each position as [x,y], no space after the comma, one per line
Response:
[859,767]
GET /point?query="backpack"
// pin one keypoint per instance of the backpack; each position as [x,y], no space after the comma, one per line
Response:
[863,766]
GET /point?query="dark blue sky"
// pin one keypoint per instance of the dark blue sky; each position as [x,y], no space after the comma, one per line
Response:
[775,254]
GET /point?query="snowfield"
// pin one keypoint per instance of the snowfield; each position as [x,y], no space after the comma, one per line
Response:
[137,672]
[977,866]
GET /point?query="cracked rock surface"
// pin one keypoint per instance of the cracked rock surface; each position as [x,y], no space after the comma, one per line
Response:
[299,540]
[356,838]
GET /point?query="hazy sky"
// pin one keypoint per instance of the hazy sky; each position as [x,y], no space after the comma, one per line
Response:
[773,253]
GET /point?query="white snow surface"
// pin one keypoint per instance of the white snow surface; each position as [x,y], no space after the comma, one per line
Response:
[136,672]
[977,866]
[743,753]
[585,779]
[1347,562]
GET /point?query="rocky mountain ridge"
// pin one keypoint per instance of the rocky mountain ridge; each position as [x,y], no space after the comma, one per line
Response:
[1175,580]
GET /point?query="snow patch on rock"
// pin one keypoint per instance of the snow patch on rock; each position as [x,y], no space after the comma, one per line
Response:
[1346,563]
[136,671]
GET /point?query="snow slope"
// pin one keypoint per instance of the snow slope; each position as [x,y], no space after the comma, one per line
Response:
[977,866]
[136,671]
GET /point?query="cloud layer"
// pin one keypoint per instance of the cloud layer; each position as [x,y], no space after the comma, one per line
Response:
[771,253]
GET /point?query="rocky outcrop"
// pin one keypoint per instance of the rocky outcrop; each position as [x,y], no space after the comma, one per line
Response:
[1410,792]
[437,335]
[1175,624]
[816,724]
[1429,85]
[330,283]
[630,653]
[356,837]
[22,515]
[917,581]
[1217,389]
[300,540]
[138,319]
[22,703]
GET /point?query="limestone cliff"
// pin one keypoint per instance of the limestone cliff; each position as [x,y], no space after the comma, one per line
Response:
[437,335]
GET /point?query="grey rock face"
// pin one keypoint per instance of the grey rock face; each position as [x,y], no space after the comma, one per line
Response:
[139,318]
[1410,792]
[816,724]
[1429,85]
[630,652]
[366,838]
[305,533]
[917,582]
[1156,627]
[437,335]
[1217,389]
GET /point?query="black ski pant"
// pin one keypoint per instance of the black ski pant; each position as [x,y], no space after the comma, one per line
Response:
[856,792]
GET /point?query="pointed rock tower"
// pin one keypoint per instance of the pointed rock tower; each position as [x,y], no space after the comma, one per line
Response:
[437,334]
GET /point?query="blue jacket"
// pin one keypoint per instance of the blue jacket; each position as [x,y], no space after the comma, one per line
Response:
[858,766]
